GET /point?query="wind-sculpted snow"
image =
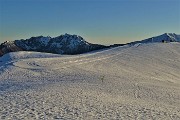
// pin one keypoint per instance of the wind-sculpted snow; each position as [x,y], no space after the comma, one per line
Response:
[137,82]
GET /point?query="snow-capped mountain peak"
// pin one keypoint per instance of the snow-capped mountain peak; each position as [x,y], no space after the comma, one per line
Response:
[63,44]
[173,36]
[166,37]
[71,44]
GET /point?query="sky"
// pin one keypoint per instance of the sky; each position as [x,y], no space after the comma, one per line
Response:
[97,21]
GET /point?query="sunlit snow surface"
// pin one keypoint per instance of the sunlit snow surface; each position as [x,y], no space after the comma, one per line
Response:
[138,82]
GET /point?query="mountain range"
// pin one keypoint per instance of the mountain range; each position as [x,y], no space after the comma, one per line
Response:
[70,44]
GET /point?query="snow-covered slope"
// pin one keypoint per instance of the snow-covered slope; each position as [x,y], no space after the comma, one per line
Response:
[137,82]
[26,55]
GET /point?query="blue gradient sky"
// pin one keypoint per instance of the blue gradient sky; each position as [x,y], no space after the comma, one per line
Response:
[98,21]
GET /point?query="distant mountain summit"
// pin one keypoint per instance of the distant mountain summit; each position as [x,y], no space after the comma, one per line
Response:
[63,44]
[71,44]
[166,37]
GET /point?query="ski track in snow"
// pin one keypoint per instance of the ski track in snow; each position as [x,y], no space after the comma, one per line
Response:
[138,82]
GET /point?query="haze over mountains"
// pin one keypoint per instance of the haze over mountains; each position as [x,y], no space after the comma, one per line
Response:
[70,44]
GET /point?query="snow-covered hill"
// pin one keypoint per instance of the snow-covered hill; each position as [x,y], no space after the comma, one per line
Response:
[127,82]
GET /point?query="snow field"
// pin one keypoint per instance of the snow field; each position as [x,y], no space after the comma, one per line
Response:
[138,82]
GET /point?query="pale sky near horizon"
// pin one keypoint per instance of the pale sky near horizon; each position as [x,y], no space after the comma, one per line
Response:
[97,21]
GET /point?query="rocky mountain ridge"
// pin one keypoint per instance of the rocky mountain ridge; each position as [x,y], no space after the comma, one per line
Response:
[166,37]
[71,44]
[63,44]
